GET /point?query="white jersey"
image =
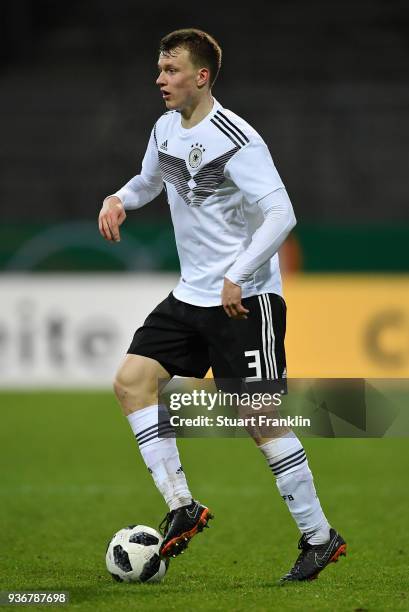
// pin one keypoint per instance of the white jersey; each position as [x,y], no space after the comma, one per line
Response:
[214,175]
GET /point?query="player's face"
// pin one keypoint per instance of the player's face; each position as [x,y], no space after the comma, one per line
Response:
[179,80]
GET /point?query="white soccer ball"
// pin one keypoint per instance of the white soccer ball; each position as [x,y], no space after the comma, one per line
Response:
[133,555]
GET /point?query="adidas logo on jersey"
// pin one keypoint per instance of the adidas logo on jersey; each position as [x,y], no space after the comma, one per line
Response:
[164,146]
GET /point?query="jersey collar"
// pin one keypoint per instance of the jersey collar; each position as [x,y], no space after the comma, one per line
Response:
[189,131]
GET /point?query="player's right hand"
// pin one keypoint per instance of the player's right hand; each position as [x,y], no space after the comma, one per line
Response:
[112,215]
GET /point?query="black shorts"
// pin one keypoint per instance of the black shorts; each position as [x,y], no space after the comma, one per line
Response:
[187,340]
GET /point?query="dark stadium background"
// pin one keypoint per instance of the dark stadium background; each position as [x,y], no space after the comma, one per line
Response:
[325,83]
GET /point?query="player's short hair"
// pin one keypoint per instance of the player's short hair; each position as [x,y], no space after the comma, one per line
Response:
[203,48]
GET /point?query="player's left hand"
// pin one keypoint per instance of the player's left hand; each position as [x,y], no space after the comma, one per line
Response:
[231,301]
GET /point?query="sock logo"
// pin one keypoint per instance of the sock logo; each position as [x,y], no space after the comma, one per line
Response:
[180,470]
[150,471]
[288,497]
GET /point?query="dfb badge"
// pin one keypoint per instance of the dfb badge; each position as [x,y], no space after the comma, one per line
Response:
[196,155]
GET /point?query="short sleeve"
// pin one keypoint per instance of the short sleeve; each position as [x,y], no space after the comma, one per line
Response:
[253,171]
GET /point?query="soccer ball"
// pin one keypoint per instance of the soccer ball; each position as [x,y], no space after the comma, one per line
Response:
[133,555]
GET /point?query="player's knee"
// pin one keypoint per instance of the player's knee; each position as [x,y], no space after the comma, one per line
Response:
[135,389]
[119,386]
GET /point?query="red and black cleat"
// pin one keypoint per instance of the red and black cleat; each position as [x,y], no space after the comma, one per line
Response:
[314,558]
[179,526]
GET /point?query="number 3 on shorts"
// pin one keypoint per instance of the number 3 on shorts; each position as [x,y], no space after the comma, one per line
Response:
[256,364]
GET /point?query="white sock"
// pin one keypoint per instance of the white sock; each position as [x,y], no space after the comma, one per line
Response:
[288,462]
[161,454]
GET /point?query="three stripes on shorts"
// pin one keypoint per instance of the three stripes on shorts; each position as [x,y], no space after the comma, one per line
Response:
[268,337]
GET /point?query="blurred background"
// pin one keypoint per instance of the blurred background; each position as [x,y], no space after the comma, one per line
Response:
[325,84]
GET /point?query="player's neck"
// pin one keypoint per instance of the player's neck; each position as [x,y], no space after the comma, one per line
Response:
[194,114]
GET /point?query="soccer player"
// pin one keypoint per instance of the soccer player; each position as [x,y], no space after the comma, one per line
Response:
[231,213]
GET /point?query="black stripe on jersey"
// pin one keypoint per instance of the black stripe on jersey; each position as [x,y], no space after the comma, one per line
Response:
[235,132]
[174,171]
[211,176]
[154,135]
[233,125]
[207,179]
[226,133]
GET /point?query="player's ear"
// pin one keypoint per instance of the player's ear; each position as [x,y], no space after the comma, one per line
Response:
[203,77]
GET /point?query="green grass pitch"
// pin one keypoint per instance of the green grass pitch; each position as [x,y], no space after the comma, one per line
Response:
[72,476]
